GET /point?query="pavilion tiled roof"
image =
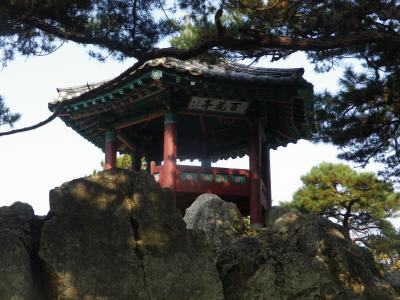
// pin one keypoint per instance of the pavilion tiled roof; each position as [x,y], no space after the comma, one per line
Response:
[283,96]
[225,71]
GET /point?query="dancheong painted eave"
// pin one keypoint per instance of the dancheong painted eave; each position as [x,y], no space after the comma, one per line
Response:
[224,71]
[282,98]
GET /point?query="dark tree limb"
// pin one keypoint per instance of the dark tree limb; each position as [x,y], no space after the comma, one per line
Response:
[218,23]
[347,215]
[262,42]
[37,125]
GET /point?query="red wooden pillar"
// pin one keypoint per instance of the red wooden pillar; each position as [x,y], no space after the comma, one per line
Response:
[169,174]
[255,174]
[110,161]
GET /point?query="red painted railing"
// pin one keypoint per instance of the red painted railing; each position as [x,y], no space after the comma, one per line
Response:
[198,180]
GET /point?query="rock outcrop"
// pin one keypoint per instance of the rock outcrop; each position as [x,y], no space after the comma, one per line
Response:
[393,278]
[117,235]
[295,257]
[20,273]
[300,257]
[274,213]
[221,221]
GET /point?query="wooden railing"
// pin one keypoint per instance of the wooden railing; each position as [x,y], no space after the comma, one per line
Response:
[198,180]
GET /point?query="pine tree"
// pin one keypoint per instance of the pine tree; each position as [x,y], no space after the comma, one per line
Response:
[7,117]
[360,202]
[363,119]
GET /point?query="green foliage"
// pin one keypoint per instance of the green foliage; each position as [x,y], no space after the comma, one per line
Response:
[190,36]
[328,30]
[246,221]
[364,120]
[7,117]
[358,201]
[123,162]
[287,204]
[386,245]
[118,26]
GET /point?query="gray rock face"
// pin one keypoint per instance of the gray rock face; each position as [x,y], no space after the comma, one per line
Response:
[300,257]
[221,221]
[117,235]
[19,229]
[274,213]
[394,279]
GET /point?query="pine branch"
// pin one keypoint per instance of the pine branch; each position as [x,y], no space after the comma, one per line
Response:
[37,125]
[262,42]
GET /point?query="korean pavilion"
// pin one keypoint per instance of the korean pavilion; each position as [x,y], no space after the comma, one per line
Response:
[168,109]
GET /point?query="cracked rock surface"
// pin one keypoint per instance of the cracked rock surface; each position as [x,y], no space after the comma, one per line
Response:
[20,274]
[301,257]
[117,235]
[221,221]
[295,257]
[394,279]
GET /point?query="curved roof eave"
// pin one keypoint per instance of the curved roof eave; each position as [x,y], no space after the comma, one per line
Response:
[227,71]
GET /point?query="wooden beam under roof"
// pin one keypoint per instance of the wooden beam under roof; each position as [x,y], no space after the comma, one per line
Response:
[284,135]
[123,138]
[110,105]
[138,119]
[213,115]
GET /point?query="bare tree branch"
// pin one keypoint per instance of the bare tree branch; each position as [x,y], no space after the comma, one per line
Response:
[37,125]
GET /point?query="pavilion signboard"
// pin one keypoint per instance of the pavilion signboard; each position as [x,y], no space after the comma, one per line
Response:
[218,105]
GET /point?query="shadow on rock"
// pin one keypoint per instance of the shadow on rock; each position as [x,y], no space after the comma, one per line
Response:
[114,235]
[295,257]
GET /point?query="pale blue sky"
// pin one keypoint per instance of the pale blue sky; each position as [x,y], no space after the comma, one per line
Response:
[34,162]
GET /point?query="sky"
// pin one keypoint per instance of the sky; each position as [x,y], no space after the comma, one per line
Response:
[34,162]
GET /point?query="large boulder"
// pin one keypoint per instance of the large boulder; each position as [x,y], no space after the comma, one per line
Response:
[221,221]
[117,235]
[300,257]
[20,276]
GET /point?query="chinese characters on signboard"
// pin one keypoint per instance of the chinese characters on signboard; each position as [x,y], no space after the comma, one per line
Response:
[218,105]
